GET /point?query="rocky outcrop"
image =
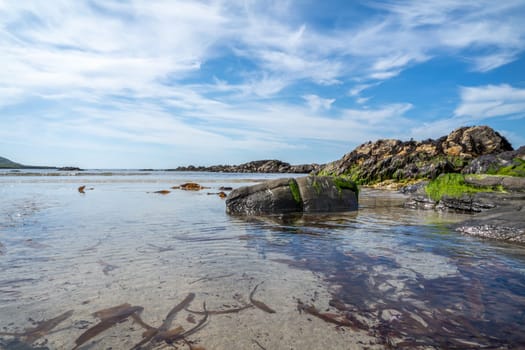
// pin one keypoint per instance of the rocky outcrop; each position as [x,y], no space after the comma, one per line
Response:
[492,163]
[382,160]
[307,194]
[258,166]
[506,221]
[497,215]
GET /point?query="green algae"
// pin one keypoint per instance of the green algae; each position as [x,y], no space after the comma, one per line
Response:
[294,188]
[453,185]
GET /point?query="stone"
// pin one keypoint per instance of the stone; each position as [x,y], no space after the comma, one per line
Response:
[257,166]
[374,162]
[309,194]
[493,162]
[321,194]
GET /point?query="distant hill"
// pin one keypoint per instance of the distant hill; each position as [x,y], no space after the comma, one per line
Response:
[6,163]
[9,164]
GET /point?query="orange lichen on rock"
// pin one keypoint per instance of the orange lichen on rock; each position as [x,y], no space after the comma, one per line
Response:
[191,186]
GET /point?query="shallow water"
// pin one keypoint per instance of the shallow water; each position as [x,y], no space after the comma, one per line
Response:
[383,277]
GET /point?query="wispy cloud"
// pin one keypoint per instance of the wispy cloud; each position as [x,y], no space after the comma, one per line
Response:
[227,76]
[477,105]
[489,101]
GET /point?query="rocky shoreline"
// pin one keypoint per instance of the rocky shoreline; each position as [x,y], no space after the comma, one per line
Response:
[258,166]
[496,215]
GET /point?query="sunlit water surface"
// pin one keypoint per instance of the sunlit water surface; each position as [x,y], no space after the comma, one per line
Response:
[382,277]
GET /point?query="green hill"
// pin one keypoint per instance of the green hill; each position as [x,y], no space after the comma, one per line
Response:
[7,164]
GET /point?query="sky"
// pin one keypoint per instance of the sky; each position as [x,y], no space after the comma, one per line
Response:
[159,84]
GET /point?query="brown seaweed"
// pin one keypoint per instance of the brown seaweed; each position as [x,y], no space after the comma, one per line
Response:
[327,317]
[115,311]
[258,344]
[112,316]
[195,329]
[173,312]
[163,333]
[162,192]
[206,278]
[107,268]
[259,304]
[43,328]
[221,312]
[192,186]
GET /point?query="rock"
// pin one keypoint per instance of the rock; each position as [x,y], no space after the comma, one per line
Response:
[69,168]
[191,186]
[288,195]
[471,142]
[493,162]
[382,160]
[258,166]
[270,197]
[509,183]
[505,222]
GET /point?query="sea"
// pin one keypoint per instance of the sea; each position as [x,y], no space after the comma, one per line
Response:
[121,266]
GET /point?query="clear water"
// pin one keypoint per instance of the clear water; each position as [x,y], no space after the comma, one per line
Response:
[382,277]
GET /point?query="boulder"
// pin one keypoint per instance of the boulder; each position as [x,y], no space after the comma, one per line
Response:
[374,162]
[310,194]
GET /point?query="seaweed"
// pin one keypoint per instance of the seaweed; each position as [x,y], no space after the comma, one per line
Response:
[330,318]
[162,192]
[107,268]
[43,328]
[195,329]
[259,304]
[163,333]
[221,312]
[206,278]
[109,317]
[173,312]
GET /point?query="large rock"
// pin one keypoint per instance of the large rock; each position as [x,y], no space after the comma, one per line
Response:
[493,162]
[382,160]
[311,194]
[505,222]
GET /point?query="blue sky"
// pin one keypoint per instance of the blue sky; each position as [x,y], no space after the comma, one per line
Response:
[140,84]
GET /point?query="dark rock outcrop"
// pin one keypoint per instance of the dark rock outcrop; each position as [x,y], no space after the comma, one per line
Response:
[70,168]
[382,160]
[497,215]
[258,166]
[506,221]
[493,162]
[289,195]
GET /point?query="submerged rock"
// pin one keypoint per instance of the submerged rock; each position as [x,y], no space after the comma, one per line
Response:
[289,195]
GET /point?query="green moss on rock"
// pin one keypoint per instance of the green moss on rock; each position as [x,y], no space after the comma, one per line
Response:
[294,188]
[453,185]
[342,183]
[517,168]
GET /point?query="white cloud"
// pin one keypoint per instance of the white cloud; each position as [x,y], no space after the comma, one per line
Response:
[491,101]
[480,104]
[318,103]
[120,70]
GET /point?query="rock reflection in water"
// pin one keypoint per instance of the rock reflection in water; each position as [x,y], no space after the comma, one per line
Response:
[424,296]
